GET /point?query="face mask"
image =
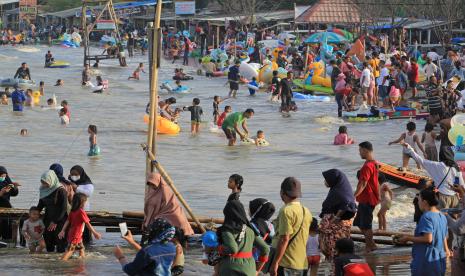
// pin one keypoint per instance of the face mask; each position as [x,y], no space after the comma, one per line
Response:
[2,179]
[75,177]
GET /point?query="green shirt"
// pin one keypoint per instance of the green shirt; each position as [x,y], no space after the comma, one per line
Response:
[288,223]
[233,119]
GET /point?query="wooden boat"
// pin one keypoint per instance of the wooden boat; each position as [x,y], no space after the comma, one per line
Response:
[403,178]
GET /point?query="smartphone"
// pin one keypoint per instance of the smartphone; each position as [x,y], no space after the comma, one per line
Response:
[123,228]
[456,181]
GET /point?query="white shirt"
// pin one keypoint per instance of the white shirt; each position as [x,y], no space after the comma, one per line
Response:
[433,56]
[382,74]
[430,69]
[365,79]
[438,172]
[88,190]
[313,246]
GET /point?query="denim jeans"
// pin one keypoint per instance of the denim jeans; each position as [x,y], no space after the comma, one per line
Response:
[339,98]
[283,271]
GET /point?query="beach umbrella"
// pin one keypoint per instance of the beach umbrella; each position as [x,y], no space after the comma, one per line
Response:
[344,33]
[328,37]
[287,36]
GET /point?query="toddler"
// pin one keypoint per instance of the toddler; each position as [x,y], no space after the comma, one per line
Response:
[42,88]
[347,263]
[313,248]
[94,150]
[33,230]
[211,254]
[410,137]
[428,139]
[76,222]
[343,138]
[386,201]
[253,83]
[196,114]
[260,139]
[4,100]
[179,240]
[136,74]
[227,110]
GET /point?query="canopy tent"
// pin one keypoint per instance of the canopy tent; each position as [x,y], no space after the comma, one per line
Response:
[328,37]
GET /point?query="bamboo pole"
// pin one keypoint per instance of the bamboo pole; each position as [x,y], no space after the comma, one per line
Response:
[152,126]
[84,28]
[170,182]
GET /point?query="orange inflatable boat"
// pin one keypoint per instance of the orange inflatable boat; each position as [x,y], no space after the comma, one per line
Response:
[403,178]
[164,126]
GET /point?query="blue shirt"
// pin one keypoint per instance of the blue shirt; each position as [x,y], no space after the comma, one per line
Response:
[154,260]
[430,259]
[233,73]
[18,98]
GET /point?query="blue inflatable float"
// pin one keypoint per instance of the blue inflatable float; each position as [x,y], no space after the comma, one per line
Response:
[310,98]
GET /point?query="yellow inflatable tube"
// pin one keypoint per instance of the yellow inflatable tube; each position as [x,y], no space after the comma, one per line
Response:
[36,98]
[318,71]
[164,126]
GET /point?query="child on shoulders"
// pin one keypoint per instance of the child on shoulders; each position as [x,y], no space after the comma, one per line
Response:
[343,138]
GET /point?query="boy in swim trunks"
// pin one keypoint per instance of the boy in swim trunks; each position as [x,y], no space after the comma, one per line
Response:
[196,114]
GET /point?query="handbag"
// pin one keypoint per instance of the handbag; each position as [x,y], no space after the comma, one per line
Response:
[272,254]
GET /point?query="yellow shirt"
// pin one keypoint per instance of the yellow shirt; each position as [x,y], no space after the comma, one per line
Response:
[288,223]
[374,63]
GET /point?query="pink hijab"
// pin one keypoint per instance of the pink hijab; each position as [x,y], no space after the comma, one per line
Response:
[160,202]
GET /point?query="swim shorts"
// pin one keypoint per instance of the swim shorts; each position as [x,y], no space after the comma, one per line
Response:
[364,217]
[233,85]
[230,134]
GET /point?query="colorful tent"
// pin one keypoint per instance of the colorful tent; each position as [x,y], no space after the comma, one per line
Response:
[328,37]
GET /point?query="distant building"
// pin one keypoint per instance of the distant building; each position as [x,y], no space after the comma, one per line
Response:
[9,12]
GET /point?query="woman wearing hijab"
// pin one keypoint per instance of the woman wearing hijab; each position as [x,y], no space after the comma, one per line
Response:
[154,259]
[58,169]
[238,238]
[338,209]
[160,202]
[261,211]
[54,199]
[7,190]
[81,183]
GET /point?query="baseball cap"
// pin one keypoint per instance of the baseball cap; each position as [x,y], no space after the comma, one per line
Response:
[291,187]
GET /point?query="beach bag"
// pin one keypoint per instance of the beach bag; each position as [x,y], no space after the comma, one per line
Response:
[272,254]
[358,269]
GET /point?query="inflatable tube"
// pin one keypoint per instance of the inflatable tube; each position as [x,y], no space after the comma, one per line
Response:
[10,82]
[247,71]
[458,119]
[58,64]
[181,90]
[312,87]
[310,98]
[456,135]
[164,126]
[266,74]
[253,87]
[218,74]
[36,97]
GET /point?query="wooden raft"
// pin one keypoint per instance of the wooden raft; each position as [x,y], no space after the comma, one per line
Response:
[134,221]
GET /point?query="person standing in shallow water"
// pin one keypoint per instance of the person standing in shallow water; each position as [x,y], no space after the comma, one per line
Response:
[367,194]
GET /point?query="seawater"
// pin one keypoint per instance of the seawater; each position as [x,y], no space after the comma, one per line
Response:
[301,146]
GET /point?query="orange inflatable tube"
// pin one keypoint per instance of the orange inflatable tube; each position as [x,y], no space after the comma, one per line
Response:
[164,126]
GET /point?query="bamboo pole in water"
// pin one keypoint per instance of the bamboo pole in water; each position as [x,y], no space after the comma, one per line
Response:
[170,182]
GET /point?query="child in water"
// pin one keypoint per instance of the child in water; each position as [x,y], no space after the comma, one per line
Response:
[428,139]
[23,132]
[196,114]
[59,82]
[94,150]
[63,117]
[33,230]
[253,83]
[42,88]
[227,110]
[216,108]
[386,201]
[136,74]
[313,248]
[28,97]
[260,139]
[343,138]
[77,220]
[4,100]
[410,137]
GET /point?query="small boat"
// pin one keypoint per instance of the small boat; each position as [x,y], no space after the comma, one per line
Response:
[366,119]
[403,178]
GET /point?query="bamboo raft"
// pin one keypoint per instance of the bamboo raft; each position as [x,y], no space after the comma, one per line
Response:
[134,220]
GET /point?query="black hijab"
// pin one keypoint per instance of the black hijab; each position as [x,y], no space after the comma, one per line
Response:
[7,178]
[5,199]
[58,169]
[261,210]
[340,195]
[235,218]
[83,177]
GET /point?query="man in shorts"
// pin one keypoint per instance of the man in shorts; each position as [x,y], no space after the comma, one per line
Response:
[233,78]
[367,194]
[231,125]
[365,80]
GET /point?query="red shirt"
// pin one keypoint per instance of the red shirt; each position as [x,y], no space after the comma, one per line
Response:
[76,220]
[369,173]
[413,76]
[221,119]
